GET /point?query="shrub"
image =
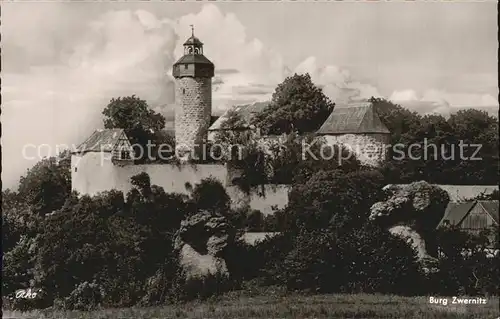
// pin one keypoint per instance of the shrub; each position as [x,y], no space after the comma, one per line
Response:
[211,195]
[465,264]
[86,296]
[212,285]
[366,260]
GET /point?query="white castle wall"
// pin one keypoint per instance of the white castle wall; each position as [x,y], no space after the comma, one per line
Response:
[93,173]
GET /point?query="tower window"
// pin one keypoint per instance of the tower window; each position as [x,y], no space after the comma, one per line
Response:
[183,91]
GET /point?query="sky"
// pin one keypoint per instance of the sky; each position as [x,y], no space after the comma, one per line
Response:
[62,62]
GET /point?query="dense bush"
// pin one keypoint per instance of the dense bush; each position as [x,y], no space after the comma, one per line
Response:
[440,159]
[333,198]
[366,260]
[86,296]
[467,264]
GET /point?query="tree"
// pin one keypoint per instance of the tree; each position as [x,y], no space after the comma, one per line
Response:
[460,150]
[362,260]
[335,199]
[297,105]
[141,124]
[210,195]
[255,221]
[477,163]
[46,186]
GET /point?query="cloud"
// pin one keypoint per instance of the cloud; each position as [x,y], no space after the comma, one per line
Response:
[444,103]
[405,95]
[60,100]
[241,63]
[226,71]
[337,83]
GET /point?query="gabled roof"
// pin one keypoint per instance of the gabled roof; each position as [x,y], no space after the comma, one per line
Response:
[490,207]
[101,141]
[246,112]
[456,212]
[354,118]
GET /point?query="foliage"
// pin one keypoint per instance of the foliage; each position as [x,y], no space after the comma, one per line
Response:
[46,185]
[102,239]
[336,198]
[297,105]
[141,124]
[297,158]
[254,221]
[495,195]
[467,264]
[460,150]
[211,195]
[364,260]
[86,296]
[203,288]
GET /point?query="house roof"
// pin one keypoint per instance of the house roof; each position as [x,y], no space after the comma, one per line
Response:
[101,141]
[194,58]
[461,193]
[491,207]
[456,212]
[246,112]
[353,118]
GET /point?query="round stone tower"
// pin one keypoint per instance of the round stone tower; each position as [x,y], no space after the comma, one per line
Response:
[193,99]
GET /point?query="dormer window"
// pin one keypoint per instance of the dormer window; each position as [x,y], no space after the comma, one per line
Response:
[185,66]
[124,155]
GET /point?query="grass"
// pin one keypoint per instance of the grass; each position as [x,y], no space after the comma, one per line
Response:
[276,304]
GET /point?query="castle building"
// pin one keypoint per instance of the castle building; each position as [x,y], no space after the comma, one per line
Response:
[193,74]
[102,162]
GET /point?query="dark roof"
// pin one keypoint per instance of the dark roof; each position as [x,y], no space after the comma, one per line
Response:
[194,58]
[353,119]
[101,141]
[193,40]
[213,119]
[491,207]
[246,112]
[455,212]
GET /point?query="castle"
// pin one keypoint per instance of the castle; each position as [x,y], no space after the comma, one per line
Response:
[102,162]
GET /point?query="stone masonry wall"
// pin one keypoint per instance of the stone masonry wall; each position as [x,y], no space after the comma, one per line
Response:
[193,110]
[370,148]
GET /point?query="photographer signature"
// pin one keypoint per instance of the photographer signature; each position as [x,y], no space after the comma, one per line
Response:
[30,293]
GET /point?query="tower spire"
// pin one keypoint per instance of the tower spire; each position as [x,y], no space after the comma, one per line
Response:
[192,29]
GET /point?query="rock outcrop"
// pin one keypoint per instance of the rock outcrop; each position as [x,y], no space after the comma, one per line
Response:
[201,242]
[412,212]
